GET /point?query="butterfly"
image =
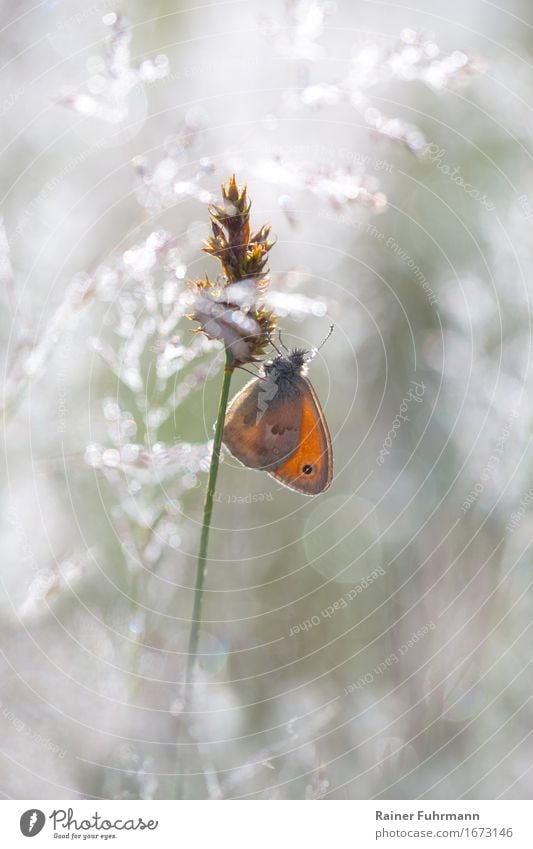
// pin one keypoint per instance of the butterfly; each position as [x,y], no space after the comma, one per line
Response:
[276,424]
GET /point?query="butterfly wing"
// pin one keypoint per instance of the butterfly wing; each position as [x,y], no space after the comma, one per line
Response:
[262,425]
[309,469]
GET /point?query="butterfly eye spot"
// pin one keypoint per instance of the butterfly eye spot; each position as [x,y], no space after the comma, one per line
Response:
[308,469]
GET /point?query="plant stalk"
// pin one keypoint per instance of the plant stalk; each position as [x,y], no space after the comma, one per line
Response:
[196,620]
[192,651]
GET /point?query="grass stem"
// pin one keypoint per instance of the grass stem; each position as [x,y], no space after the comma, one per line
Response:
[196,619]
[206,524]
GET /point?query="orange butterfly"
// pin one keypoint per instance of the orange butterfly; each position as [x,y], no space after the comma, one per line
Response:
[276,424]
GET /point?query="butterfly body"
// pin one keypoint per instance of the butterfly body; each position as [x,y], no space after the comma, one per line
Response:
[276,424]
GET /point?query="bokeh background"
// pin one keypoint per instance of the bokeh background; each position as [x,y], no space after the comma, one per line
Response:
[373,642]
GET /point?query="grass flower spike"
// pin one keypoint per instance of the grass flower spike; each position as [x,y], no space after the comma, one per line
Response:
[232,309]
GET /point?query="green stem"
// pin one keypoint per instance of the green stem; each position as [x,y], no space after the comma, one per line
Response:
[206,525]
[196,620]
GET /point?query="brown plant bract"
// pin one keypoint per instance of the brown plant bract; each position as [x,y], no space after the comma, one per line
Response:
[232,308]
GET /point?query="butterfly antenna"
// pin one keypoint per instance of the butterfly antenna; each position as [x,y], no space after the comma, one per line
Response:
[326,337]
[281,340]
[314,351]
[275,346]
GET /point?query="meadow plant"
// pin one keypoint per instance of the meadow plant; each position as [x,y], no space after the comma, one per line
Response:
[150,680]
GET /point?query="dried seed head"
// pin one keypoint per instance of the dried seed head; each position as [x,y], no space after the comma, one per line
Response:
[232,309]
